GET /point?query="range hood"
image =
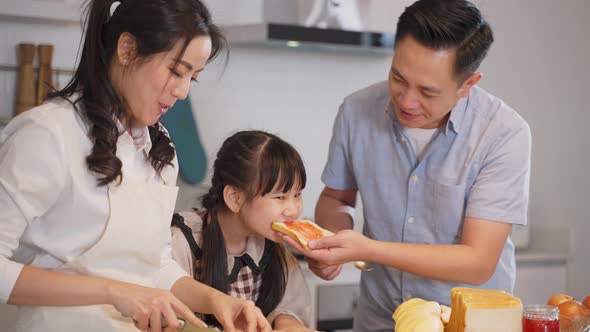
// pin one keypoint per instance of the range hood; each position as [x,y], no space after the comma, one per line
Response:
[323,25]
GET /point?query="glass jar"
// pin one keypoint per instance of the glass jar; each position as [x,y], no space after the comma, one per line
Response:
[540,318]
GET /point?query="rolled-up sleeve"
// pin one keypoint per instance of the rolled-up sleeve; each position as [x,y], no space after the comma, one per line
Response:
[296,301]
[338,173]
[501,189]
[170,270]
[32,175]
[12,225]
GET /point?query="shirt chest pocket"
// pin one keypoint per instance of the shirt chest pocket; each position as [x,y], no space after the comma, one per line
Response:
[444,206]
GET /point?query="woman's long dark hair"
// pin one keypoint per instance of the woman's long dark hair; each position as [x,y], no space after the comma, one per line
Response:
[157,26]
[255,162]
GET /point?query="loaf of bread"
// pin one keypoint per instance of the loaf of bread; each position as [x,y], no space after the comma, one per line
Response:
[484,311]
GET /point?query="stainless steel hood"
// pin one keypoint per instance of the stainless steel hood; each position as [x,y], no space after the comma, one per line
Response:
[322,25]
[283,35]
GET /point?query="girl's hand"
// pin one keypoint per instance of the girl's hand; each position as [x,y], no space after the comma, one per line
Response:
[239,315]
[147,306]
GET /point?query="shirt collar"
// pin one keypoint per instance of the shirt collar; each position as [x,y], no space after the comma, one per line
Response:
[457,116]
[139,137]
[142,139]
[396,125]
[254,249]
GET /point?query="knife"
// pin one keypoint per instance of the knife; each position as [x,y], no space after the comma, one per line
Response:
[188,327]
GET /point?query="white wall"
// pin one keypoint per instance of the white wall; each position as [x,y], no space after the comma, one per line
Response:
[537,65]
[292,93]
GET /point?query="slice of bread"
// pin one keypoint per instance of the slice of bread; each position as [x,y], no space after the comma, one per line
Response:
[301,231]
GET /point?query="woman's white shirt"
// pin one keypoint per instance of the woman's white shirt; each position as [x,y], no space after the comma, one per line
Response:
[51,209]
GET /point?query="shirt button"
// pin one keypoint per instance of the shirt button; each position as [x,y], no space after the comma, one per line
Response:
[403,139]
[408,297]
[411,220]
[415,178]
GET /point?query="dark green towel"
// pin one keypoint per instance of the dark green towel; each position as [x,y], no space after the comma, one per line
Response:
[180,122]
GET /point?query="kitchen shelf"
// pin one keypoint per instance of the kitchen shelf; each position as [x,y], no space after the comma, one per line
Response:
[54,71]
[64,11]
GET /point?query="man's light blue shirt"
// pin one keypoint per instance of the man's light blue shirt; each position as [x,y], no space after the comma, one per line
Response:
[477,165]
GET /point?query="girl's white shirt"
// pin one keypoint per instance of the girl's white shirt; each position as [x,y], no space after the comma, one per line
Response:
[51,209]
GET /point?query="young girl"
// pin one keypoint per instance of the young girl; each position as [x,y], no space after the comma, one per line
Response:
[230,245]
[88,182]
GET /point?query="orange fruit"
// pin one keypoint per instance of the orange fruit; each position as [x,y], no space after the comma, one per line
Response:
[557,299]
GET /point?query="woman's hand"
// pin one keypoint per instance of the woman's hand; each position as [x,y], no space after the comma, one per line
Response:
[149,306]
[239,315]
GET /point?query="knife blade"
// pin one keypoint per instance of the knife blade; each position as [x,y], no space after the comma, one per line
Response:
[188,327]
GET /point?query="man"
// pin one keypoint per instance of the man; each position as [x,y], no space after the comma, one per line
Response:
[441,165]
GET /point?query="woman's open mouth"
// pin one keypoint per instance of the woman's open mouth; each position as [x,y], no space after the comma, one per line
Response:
[164,108]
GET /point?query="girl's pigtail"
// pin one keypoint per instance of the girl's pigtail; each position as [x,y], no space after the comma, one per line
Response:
[214,261]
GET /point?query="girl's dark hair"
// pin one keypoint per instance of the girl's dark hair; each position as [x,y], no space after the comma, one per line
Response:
[448,24]
[255,162]
[157,26]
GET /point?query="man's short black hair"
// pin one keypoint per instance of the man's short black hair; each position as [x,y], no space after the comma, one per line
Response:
[448,24]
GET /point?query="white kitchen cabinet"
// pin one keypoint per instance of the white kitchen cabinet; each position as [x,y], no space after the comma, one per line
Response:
[541,267]
[541,278]
[59,11]
[335,299]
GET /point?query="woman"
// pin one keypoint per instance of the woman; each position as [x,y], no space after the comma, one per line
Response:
[87,182]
